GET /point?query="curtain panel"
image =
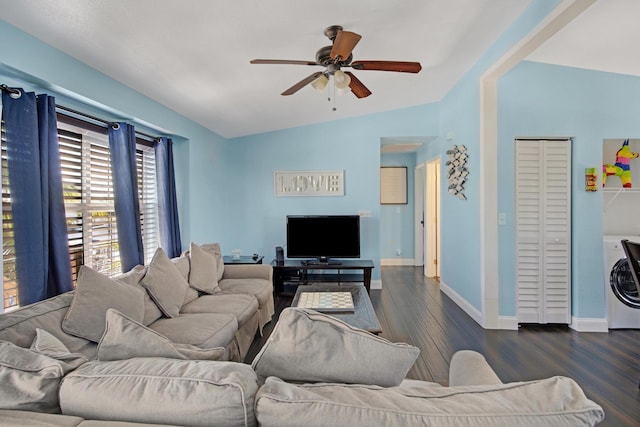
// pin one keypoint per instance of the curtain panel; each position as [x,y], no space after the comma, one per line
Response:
[43,268]
[122,148]
[167,200]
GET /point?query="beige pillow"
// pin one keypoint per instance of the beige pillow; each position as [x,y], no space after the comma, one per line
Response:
[134,278]
[183,264]
[307,346]
[29,381]
[47,344]
[95,294]
[125,338]
[204,270]
[214,249]
[165,284]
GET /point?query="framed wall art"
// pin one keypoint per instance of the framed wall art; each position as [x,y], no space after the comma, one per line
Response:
[393,185]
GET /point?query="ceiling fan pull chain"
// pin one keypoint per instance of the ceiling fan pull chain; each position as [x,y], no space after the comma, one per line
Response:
[333,80]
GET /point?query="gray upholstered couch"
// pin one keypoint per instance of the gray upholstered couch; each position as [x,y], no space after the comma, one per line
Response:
[314,371]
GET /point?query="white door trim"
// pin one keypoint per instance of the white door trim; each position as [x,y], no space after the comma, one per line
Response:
[419,214]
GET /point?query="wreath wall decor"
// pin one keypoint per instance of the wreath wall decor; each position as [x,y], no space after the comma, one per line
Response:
[457,169]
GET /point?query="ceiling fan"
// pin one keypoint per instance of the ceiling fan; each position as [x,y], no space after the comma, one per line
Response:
[337,56]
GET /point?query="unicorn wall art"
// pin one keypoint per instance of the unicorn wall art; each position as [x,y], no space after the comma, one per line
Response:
[622,166]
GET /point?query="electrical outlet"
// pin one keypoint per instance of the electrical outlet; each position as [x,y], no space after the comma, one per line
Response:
[365,214]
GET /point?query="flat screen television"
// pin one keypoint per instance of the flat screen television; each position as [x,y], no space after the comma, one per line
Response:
[322,237]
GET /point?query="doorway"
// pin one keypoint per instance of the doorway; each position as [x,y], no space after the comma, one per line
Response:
[419,214]
[431,224]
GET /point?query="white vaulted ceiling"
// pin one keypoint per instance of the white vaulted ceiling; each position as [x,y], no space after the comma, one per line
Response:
[193,56]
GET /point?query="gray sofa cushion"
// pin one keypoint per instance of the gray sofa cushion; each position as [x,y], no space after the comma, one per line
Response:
[240,305]
[308,346]
[30,380]
[95,294]
[167,391]
[125,338]
[12,418]
[552,402]
[260,288]
[205,330]
[165,284]
[204,270]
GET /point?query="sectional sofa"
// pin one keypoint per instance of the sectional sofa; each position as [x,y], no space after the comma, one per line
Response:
[162,345]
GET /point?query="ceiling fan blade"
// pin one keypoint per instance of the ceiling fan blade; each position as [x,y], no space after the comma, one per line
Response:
[302,83]
[358,89]
[403,67]
[344,43]
[282,61]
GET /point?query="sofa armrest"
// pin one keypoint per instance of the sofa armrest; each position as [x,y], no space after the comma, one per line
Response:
[248,271]
[471,368]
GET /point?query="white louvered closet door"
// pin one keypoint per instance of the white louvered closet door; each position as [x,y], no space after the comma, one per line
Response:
[543,230]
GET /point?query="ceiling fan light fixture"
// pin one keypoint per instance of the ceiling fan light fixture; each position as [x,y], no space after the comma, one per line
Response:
[320,83]
[341,79]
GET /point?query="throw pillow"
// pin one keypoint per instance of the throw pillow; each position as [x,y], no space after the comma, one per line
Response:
[30,381]
[125,338]
[165,284]
[204,270]
[214,249]
[307,346]
[46,344]
[95,294]
[134,278]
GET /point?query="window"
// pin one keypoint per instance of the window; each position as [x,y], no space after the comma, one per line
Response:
[89,203]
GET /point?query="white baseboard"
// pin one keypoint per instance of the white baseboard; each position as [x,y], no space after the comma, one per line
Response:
[376,284]
[473,312]
[398,262]
[589,324]
[509,323]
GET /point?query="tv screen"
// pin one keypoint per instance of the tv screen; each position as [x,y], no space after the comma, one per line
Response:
[323,236]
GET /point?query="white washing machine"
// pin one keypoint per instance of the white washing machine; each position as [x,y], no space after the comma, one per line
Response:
[623,300]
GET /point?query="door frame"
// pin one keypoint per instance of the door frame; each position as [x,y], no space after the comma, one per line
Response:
[419,215]
[432,260]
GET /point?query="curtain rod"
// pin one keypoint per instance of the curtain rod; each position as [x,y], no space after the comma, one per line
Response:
[115,125]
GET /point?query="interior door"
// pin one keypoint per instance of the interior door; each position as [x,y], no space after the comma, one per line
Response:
[543,230]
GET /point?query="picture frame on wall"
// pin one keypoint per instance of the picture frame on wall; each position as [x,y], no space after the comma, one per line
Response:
[393,185]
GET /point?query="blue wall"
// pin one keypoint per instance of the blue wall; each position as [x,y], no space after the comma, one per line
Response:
[539,100]
[352,145]
[199,153]
[225,187]
[459,119]
[397,221]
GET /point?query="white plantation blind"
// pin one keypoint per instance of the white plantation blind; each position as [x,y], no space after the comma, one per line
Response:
[543,230]
[89,205]
[148,191]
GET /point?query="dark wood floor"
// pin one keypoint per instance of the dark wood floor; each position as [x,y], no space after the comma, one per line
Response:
[412,309]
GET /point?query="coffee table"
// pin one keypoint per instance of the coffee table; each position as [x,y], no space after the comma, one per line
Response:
[361,316]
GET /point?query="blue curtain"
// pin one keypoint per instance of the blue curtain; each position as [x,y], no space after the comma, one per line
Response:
[43,268]
[167,202]
[122,146]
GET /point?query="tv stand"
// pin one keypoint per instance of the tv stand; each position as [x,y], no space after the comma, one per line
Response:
[321,261]
[288,275]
